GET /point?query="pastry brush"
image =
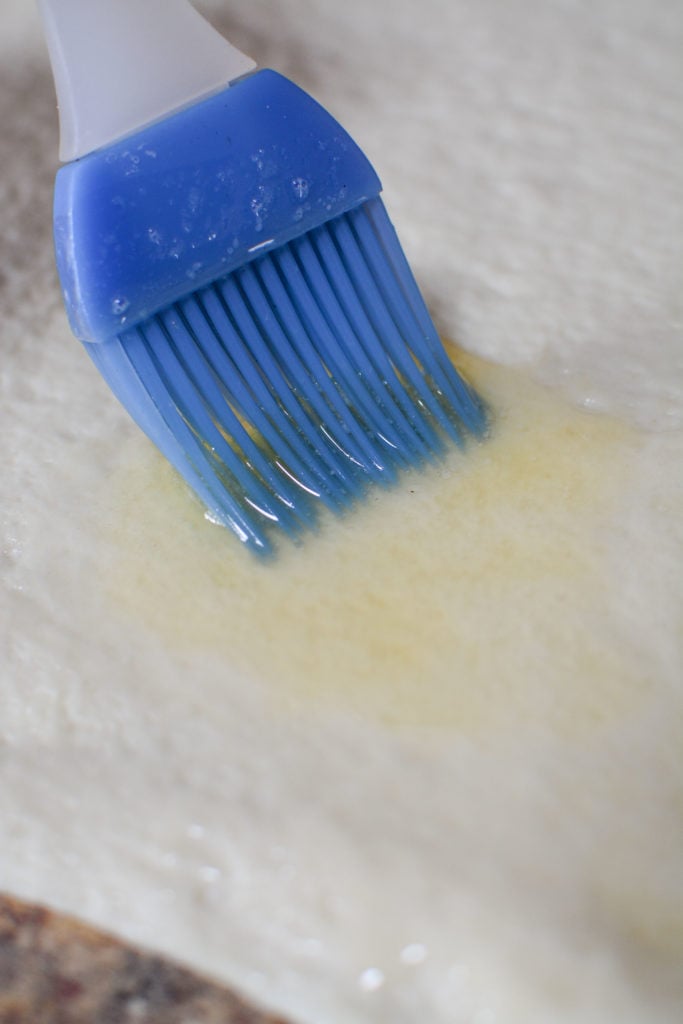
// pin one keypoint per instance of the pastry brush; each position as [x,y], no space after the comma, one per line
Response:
[228,263]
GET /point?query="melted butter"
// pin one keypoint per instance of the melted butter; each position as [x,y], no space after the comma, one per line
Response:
[475,595]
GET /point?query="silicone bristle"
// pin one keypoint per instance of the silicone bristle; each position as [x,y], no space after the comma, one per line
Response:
[297,380]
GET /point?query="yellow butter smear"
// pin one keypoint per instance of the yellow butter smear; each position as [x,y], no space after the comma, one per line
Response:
[474,595]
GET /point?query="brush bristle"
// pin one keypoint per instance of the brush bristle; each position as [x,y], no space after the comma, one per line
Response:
[298,380]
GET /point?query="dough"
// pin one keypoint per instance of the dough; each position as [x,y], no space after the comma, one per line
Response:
[428,766]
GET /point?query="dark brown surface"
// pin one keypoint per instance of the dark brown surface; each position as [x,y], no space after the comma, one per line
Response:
[54,970]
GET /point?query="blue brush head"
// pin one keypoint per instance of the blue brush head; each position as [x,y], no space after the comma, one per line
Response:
[237,281]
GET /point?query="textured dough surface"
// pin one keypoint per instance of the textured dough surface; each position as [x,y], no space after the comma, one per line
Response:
[428,767]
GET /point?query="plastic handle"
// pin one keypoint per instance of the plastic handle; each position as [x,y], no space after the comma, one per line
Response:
[121,64]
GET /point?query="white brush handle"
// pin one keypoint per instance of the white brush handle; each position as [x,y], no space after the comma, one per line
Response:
[121,64]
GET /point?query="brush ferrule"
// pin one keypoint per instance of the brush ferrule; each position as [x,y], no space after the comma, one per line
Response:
[147,221]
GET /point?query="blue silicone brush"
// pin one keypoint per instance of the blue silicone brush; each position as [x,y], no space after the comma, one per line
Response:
[227,261]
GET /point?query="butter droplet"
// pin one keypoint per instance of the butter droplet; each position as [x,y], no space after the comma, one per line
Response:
[414,954]
[371,979]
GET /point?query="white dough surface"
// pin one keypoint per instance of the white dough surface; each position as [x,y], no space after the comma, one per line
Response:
[498,845]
